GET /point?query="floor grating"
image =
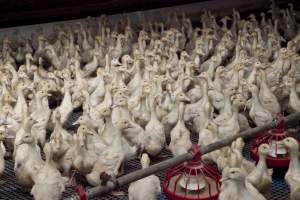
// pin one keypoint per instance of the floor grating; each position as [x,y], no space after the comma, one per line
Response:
[9,189]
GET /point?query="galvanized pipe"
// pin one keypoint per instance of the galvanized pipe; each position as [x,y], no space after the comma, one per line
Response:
[142,173]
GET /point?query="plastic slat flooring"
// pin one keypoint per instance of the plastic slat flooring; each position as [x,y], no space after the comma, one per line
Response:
[9,189]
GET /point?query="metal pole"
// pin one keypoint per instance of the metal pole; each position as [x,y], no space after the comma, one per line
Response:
[142,173]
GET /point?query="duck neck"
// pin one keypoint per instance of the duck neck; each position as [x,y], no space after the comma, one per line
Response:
[108,97]
[188,70]
[262,162]
[27,63]
[66,89]
[38,101]
[205,91]
[235,78]
[40,45]
[293,91]
[263,83]
[107,66]
[152,110]
[279,62]
[211,70]
[227,104]
[180,111]
[119,43]
[256,99]
[217,82]
[158,87]
[107,119]
[49,157]
[20,92]
[294,157]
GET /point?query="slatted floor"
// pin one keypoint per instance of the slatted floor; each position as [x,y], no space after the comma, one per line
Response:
[9,189]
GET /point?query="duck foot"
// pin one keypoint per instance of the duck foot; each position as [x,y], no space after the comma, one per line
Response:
[118,193]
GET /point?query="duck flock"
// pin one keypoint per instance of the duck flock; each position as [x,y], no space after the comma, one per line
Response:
[144,88]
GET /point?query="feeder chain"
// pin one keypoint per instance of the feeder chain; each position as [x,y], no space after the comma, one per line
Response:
[280,122]
[81,192]
[196,151]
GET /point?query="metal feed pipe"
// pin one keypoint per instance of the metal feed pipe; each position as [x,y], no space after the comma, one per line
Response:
[81,194]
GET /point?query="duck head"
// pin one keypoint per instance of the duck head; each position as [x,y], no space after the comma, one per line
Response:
[181,97]
[126,59]
[105,111]
[82,132]
[253,88]
[264,149]
[291,143]
[124,124]
[234,174]
[221,71]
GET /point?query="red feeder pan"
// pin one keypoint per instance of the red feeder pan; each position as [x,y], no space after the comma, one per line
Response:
[278,157]
[193,180]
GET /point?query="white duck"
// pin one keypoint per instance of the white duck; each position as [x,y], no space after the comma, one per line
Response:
[261,176]
[237,156]
[66,107]
[133,133]
[235,186]
[266,96]
[21,107]
[61,141]
[226,111]
[292,176]
[180,135]
[48,182]
[2,153]
[154,132]
[294,101]
[120,109]
[258,113]
[97,95]
[171,118]
[82,159]
[41,115]
[231,125]
[93,141]
[148,188]
[27,159]
[207,136]
[111,160]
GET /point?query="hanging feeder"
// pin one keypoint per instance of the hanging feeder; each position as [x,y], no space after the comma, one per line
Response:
[278,156]
[192,180]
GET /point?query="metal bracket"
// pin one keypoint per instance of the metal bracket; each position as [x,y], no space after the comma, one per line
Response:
[280,123]
[81,192]
[196,151]
[105,178]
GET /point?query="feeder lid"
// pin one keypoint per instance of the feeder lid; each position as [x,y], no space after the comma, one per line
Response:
[192,182]
[277,148]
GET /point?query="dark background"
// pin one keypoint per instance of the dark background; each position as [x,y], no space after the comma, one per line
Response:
[23,12]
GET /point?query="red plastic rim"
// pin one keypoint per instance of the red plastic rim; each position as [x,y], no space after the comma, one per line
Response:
[266,138]
[211,176]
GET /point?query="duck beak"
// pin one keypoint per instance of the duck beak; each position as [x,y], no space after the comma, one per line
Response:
[130,125]
[118,63]
[130,60]
[223,179]
[75,123]
[187,100]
